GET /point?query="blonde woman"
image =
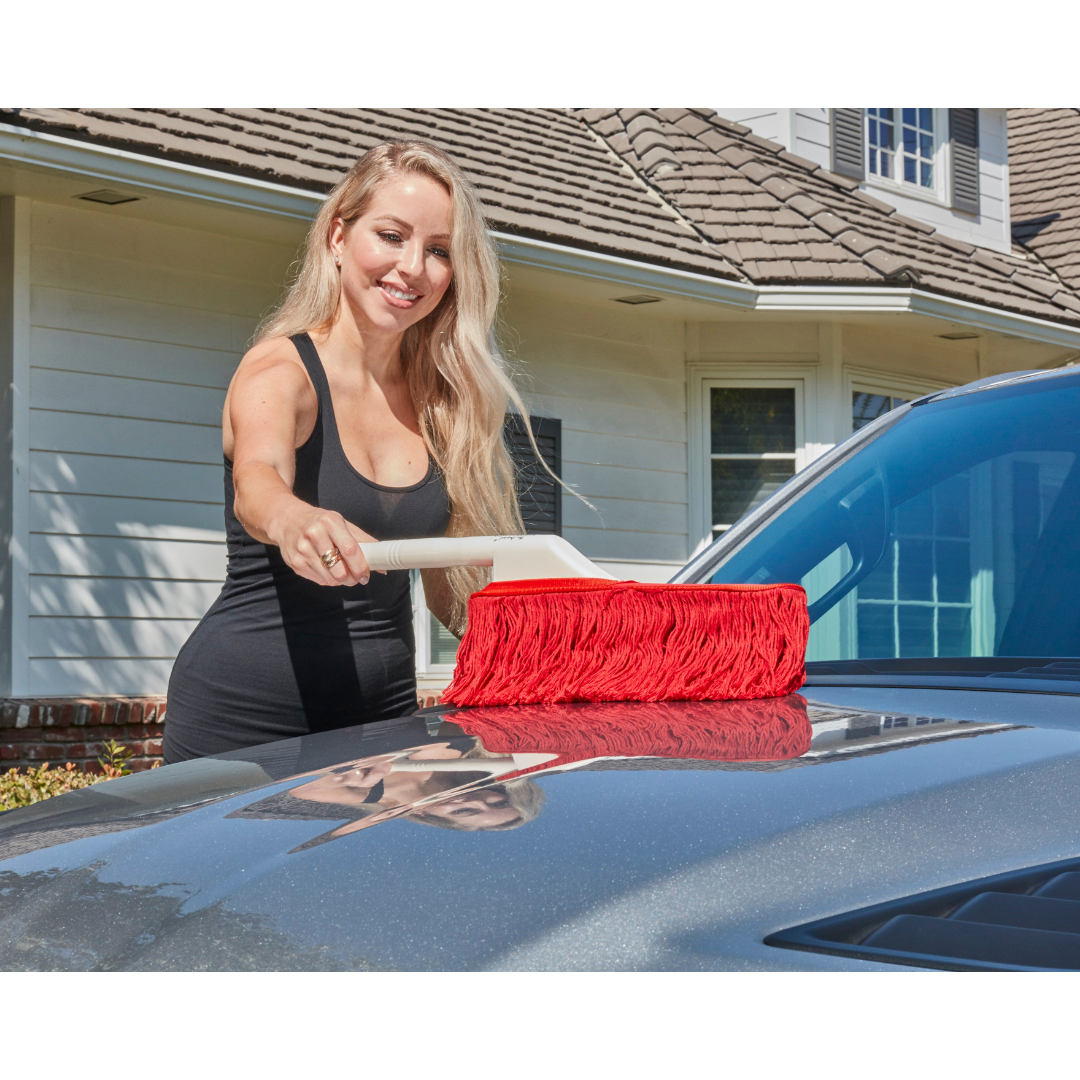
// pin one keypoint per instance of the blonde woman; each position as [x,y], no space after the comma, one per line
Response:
[370,407]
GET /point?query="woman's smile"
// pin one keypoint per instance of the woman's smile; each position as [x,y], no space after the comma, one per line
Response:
[398,296]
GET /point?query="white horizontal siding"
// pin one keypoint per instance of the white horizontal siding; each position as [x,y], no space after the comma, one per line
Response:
[121,598]
[136,330]
[813,136]
[108,637]
[70,350]
[617,382]
[765,123]
[132,477]
[94,675]
[125,436]
[107,395]
[121,556]
[105,515]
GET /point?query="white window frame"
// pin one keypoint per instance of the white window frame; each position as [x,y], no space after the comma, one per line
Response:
[939,193]
[701,379]
[422,620]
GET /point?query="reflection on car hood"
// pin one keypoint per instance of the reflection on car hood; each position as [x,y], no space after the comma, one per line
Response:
[526,836]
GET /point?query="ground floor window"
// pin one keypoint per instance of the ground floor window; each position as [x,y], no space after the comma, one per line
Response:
[867,406]
[754,441]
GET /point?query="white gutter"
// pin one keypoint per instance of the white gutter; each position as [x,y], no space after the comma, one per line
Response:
[811,299]
[102,163]
[137,171]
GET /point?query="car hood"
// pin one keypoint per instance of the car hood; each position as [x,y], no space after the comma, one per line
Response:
[592,837]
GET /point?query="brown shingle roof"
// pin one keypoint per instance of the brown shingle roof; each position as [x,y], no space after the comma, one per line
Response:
[781,219]
[1044,186]
[678,187]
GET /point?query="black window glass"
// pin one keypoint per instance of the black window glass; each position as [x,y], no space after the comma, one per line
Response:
[752,420]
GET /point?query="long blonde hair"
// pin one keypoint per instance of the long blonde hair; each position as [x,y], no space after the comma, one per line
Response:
[457,379]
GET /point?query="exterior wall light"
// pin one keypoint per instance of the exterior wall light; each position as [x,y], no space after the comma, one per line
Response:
[109,198]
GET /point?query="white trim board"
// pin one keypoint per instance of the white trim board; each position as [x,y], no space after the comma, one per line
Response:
[20,451]
[41,150]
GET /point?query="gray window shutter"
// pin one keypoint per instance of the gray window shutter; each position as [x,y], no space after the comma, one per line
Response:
[540,497]
[848,155]
[964,133]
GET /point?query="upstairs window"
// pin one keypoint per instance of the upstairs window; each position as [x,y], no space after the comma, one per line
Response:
[930,152]
[901,146]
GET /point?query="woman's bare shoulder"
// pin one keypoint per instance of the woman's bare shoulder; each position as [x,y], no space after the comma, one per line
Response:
[276,355]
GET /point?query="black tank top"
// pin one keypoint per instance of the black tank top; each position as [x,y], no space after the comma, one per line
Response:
[277,655]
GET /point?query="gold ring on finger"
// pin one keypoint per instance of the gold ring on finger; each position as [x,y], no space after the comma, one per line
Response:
[330,558]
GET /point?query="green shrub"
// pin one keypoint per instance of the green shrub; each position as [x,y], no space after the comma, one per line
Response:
[19,788]
[22,788]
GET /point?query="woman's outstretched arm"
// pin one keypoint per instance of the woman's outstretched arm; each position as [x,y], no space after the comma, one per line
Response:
[270,401]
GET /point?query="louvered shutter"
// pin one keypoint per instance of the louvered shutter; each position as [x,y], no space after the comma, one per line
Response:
[540,497]
[964,134]
[848,155]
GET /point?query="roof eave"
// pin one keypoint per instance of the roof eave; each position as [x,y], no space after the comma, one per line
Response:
[36,149]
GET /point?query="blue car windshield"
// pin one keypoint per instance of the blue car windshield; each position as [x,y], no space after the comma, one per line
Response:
[954,533]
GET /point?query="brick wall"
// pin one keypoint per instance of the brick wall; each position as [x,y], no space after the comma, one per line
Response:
[57,730]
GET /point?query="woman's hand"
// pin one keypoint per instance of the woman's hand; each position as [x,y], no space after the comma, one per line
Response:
[304,533]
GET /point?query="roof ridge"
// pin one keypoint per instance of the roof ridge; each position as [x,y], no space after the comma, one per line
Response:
[640,176]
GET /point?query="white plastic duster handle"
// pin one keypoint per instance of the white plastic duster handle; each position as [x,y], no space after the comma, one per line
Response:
[512,558]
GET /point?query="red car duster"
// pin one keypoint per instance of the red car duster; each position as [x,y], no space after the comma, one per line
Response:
[553,627]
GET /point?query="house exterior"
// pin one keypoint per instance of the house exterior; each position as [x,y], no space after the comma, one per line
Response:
[698,302]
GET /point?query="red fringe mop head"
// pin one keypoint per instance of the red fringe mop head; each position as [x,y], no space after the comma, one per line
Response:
[773,730]
[587,639]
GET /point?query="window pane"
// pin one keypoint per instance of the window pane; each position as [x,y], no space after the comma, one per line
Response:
[738,486]
[752,420]
[873,133]
[885,139]
[873,161]
[926,176]
[926,119]
[915,570]
[909,116]
[951,514]
[910,142]
[953,565]
[909,170]
[916,626]
[926,145]
[878,584]
[867,407]
[444,645]
[886,114]
[954,631]
[876,635]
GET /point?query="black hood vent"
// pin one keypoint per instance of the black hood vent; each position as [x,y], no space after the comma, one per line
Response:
[1028,920]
